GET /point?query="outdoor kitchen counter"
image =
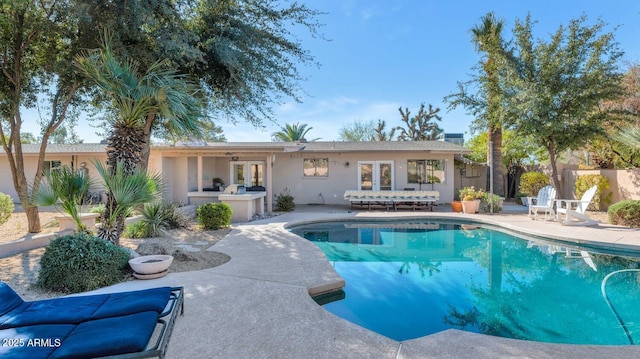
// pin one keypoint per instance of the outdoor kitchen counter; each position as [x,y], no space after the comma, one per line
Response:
[244,205]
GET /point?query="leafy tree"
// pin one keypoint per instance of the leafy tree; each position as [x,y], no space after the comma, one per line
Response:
[37,42]
[518,151]
[419,127]
[366,131]
[27,138]
[607,150]
[555,87]
[357,131]
[244,54]
[292,133]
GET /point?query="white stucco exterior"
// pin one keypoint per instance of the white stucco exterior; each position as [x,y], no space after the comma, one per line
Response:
[188,171]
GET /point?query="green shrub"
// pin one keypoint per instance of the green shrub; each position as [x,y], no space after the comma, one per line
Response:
[532,182]
[602,198]
[625,213]
[80,262]
[138,230]
[214,215]
[284,201]
[6,208]
[158,216]
[100,208]
[485,204]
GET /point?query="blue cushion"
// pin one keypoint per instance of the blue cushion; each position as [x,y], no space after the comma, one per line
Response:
[33,342]
[109,336]
[9,299]
[154,299]
[75,310]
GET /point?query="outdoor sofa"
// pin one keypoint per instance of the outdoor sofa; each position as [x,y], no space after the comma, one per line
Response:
[392,199]
[135,324]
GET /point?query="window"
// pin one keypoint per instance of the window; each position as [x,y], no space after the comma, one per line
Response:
[316,167]
[425,171]
[51,165]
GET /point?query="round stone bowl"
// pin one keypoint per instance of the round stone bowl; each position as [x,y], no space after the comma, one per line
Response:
[151,264]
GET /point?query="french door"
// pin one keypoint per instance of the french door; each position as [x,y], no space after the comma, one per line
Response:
[247,173]
[375,175]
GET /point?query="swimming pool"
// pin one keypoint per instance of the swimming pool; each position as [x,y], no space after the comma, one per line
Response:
[409,279]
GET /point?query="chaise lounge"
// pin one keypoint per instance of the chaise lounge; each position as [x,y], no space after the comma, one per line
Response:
[136,324]
[392,199]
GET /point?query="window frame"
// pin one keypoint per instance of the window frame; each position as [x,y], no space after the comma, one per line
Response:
[314,164]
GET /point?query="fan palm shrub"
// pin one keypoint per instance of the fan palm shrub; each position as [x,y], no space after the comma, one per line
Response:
[125,191]
[67,186]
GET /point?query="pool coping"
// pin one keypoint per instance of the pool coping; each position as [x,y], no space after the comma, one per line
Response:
[259,304]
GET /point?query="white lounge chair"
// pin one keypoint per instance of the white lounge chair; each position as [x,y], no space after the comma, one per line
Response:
[543,202]
[574,210]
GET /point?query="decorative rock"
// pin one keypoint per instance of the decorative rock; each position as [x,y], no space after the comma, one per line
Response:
[181,256]
[147,248]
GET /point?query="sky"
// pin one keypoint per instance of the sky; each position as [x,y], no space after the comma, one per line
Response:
[381,55]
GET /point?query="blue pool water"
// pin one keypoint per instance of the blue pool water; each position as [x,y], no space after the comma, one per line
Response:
[410,279]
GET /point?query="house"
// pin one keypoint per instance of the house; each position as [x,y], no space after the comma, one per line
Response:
[313,172]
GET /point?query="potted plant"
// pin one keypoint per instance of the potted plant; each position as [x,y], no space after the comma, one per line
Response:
[456,204]
[217,183]
[469,194]
[469,204]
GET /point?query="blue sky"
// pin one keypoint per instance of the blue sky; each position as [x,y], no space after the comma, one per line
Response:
[386,54]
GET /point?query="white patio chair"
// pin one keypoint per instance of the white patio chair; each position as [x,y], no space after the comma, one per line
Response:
[574,210]
[543,202]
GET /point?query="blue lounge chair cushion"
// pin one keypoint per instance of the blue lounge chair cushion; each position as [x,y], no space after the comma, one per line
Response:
[9,299]
[96,338]
[109,336]
[75,310]
[33,342]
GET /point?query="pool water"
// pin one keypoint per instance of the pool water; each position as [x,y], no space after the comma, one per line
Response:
[405,280]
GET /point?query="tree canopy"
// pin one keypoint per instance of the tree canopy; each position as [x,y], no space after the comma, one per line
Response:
[244,54]
[554,88]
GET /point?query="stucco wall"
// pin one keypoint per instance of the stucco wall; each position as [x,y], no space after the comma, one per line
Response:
[30,165]
[288,173]
[624,184]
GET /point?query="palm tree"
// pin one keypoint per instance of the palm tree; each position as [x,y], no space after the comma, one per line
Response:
[69,187]
[487,38]
[158,98]
[127,190]
[629,136]
[292,133]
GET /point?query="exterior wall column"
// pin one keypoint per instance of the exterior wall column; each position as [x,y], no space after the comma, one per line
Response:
[271,158]
[200,173]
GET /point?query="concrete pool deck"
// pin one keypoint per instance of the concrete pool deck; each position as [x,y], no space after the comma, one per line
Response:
[258,305]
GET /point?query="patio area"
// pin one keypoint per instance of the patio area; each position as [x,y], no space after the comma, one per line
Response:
[258,305]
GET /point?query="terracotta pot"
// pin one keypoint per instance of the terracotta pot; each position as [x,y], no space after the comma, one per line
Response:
[470,206]
[456,206]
